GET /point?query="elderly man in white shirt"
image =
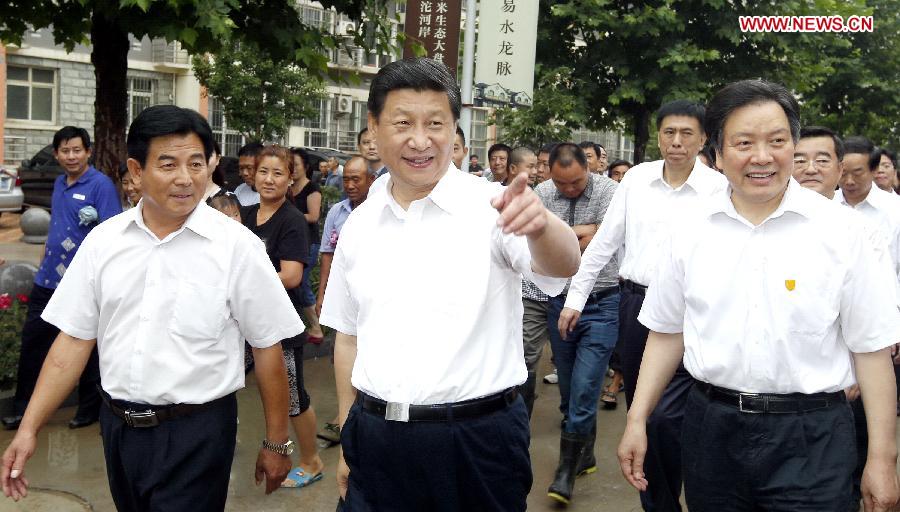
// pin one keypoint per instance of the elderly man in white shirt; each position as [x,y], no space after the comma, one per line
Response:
[425,295]
[168,292]
[776,301]
[640,217]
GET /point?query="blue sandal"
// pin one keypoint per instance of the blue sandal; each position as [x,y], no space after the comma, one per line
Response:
[299,478]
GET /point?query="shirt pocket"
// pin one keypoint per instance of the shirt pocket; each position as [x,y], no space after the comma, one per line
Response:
[199,311]
[808,301]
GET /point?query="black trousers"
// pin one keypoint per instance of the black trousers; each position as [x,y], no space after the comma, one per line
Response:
[862,451]
[469,465]
[662,464]
[37,338]
[180,465]
[737,462]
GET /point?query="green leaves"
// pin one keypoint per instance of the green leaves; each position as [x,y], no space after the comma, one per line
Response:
[627,58]
[261,97]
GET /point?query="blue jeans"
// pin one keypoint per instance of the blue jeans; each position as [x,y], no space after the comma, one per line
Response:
[305,294]
[582,358]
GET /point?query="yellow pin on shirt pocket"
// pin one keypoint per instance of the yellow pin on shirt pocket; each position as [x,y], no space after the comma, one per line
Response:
[790,284]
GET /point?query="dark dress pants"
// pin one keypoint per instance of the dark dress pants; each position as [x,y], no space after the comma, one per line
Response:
[737,462]
[468,465]
[179,465]
[37,338]
[662,464]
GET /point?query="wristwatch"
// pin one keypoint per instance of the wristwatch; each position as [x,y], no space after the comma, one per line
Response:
[282,449]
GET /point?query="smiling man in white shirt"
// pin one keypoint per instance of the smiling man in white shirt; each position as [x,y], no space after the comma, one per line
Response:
[638,221]
[425,295]
[168,291]
[775,300]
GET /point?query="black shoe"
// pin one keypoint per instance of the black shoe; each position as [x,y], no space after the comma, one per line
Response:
[81,422]
[587,463]
[11,422]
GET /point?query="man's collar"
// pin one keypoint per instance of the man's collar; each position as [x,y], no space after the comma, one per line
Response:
[871,198]
[445,194]
[694,179]
[81,179]
[199,221]
[795,200]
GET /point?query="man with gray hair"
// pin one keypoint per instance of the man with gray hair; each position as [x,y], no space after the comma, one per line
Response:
[775,300]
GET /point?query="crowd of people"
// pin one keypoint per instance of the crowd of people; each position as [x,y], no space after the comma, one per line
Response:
[742,292]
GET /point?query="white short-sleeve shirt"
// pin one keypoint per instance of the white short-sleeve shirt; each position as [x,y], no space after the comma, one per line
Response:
[882,210]
[433,294]
[637,224]
[170,316]
[778,307]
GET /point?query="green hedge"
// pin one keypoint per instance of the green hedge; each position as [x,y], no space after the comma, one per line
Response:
[12,318]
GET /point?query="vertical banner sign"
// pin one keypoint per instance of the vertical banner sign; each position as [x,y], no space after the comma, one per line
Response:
[434,24]
[507,34]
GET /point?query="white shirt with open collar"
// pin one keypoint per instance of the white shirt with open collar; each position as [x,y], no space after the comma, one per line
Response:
[639,220]
[432,294]
[170,316]
[882,210]
[778,307]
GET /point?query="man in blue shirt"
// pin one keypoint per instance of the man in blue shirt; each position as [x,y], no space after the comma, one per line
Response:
[82,198]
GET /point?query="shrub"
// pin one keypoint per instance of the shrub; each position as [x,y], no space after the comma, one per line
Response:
[12,318]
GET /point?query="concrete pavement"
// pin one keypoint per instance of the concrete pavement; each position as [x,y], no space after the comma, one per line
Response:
[68,472]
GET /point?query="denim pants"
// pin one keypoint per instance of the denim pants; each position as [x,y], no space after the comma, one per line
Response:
[582,358]
[305,295]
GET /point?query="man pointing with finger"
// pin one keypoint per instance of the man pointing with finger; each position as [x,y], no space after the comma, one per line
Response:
[425,293]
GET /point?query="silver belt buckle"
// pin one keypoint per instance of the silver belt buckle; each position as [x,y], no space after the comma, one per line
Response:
[395,411]
[748,411]
[142,419]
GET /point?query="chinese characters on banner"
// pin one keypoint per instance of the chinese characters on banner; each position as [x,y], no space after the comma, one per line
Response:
[507,34]
[435,25]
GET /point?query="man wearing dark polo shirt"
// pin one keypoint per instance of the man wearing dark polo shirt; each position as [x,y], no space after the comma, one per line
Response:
[82,198]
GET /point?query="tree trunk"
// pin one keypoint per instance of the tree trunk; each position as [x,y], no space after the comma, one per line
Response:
[109,54]
[641,120]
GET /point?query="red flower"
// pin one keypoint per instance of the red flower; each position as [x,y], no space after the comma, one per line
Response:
[5,301]
[22,298]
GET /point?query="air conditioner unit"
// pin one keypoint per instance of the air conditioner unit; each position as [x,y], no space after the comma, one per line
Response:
[344,104]
[345,28]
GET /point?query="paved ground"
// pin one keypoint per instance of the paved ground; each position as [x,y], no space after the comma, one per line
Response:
[10,246]
[70,463]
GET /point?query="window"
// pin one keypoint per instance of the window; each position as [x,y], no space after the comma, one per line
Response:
[478,143]
[317,126]
[140,96]
[229,140]
[316,17]
[30,93]
[360,116]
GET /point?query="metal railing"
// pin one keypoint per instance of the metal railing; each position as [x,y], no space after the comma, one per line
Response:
[169,53]
[14,150]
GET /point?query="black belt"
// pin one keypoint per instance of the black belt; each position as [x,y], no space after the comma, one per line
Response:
[437,412]
[152,415]
[633,287]
[772,403]
[602,294]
